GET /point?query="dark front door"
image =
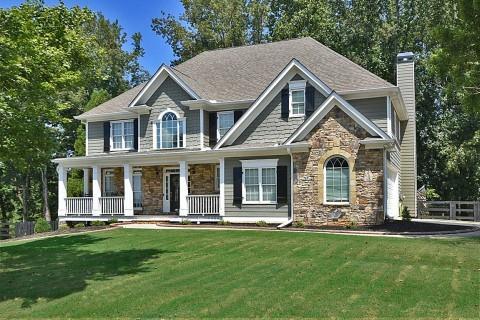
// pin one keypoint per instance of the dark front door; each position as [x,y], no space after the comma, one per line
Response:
[174,192]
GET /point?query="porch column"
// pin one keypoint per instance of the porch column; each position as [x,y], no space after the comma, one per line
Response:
[128,190]
[86,186]
[96,190]
[183,188]
[62,190]
[221,205]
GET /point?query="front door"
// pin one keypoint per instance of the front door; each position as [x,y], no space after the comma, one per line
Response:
[174,192]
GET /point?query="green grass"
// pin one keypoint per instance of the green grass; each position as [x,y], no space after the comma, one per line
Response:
[200,273]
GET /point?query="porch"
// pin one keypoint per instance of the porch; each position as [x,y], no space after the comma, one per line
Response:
[156,192]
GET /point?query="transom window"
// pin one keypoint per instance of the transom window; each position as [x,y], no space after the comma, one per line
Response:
[225,121]
[122,135]
[259,181]
[337,180]
[170,132]
[297,98]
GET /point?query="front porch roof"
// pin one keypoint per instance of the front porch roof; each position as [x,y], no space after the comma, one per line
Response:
[192,156]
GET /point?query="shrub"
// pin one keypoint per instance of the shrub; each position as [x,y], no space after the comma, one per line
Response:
[261,223]
[79,225]
[405,214]
[299,224]
[112,220]
[351,225]
[63,227]
[223,222]
[186,221]
[42,225]
[98,223]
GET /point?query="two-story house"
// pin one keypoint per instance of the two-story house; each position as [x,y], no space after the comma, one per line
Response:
[279,132]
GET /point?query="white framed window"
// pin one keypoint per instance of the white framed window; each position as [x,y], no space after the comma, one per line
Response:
[109,189]
[297,98]
[137,189]
[169,131]
[121,135]
[259,183]
[217,178]
[225,121]
[337,180]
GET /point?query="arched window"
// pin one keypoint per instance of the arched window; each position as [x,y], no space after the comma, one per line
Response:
[337,180]
[170,131]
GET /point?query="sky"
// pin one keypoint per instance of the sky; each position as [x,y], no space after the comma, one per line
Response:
[133,16]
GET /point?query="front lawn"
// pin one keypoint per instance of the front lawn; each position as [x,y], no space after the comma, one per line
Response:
[202,273]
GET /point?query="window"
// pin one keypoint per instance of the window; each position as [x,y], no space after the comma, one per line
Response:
[109,189]
[297,98]
[337,180]
[260,181]
[122,135]
[217,178]
[225,121]
[137,188]
[169,132]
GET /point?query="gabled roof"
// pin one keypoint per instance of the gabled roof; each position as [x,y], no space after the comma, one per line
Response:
[294,67]
[335,100]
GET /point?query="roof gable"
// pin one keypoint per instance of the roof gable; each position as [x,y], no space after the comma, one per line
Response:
[335,100]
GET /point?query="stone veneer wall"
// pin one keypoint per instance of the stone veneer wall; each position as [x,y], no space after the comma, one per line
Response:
[338,134]
[152,187]
[202,179]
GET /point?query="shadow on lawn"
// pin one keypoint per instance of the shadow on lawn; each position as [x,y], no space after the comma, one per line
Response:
[56,267]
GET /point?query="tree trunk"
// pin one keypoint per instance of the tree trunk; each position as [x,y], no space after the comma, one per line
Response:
[25,195]
[46,207]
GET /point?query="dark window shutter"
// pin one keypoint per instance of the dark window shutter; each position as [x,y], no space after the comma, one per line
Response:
[282,184]
[237,114]
[212,128]
[135,134]
[237,186]
[106,136]
[285,102]
[310,100]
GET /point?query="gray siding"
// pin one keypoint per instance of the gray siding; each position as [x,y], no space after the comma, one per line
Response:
[375,109]
[253,210]
[270,127]
[406,82]
[169,95]
[95,138]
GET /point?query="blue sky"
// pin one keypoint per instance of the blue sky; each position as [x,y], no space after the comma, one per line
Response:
[133,16]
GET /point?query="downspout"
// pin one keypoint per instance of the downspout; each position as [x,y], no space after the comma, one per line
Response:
[289,221]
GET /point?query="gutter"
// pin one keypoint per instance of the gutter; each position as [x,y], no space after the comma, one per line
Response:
[289,221]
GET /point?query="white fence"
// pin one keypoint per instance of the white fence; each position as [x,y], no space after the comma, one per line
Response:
[79,205]
[203,204]
[111,205]
[452,210]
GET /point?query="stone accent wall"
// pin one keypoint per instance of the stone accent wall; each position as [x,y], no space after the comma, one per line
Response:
[202,179]
[338,134]
[152,187]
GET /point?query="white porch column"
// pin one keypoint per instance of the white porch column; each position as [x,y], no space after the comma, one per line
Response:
[62,190]
[202,128]
[86,186]
[221,200]
[96,190]
[183,188]
[128,190]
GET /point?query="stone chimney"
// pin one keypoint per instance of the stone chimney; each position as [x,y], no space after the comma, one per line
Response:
[408,154]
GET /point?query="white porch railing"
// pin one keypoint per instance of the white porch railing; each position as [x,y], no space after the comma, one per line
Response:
[79,205]
[111,205]
[203,204]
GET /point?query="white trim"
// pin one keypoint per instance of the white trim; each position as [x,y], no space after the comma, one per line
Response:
[213,105]
[183,204]
[335,100]
[127,190]
[62,190]
[164,71]
[138,133]
[232,113]
[335,203]
[108,116]
[389,117]
[96,190]
[259,165]
[202,128]
[86,138]
[154,129]
[123,148]
[222,187]
[292,68]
